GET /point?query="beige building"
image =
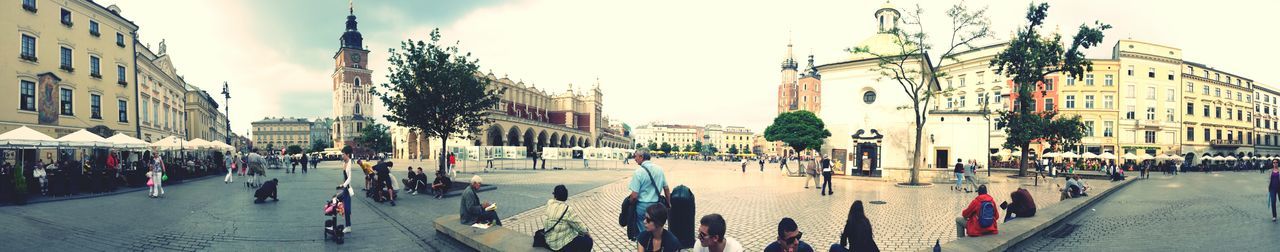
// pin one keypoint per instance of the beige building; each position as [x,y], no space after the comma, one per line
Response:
[280,133]
[203,118]
[68,67]
[1093,98]
[1220,110]
[161,96]
[1266,123]
[720,137]
[1150,101]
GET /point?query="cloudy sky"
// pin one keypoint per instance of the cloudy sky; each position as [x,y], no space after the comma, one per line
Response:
[687,62]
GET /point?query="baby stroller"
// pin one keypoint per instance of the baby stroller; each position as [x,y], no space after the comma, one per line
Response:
[334,208]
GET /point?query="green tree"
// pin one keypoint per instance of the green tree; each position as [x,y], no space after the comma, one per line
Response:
[733,149]
[908,63]
[1031,57]
[293,149]
[665,147]
[801,130]
[319,146]
[714,150]
[697,146]
[653,146]
[437,90]
[639,146]
[270,147]
[376,137]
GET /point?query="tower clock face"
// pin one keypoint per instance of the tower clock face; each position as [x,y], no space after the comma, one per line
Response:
[355,58]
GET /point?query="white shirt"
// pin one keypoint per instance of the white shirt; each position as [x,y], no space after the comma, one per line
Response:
[730,245]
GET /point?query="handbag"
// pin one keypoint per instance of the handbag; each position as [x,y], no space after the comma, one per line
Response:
[540,236]
[151,182]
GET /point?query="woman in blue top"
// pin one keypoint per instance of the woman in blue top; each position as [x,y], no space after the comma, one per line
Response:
[1273,189]
[654,218]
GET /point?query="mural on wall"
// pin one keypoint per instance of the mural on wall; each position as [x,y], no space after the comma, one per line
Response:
[48,105]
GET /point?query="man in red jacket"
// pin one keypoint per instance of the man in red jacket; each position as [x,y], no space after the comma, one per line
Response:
[980,217]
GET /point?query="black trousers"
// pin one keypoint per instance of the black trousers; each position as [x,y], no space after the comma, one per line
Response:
[826,182]
[580,243]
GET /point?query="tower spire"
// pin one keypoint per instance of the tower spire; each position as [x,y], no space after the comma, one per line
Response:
[789,60]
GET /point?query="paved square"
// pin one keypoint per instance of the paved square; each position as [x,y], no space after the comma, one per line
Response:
[753,202]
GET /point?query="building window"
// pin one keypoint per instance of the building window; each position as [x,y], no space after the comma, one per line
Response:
[1170,74]
[28,48]
[1206,110]
[1151,72]
[1151,136]
[1217,92]
[1129,113]
[962,103]
[1109,81]
[95,106]
[1108,102]
[1169,95]
[1088,102]
[29,5]
[1088,80]
[1048,84]
[66,102]
[94,67]
[1130,91]
[1191,133]
[869,97]
[1206,89]
[1191,108]
[66,17]
[1228,94]
[1151,93]
[1071,80]
[1071,102]
[949,86]
[28,95]
[119,39]
[120,75]
[1207,136]
[1168,114]
[1130,71]
[93,28]
[66,59]
[981,76]
[1151,113]
[1088,128]
[124,110]
[1191,87]
[950,102]
[144,110]
[1217,112]
[1048,104]
[1107,130]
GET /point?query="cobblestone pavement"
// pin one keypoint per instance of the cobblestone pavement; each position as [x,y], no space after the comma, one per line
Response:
[207,215]
[1189,212]
[753,203]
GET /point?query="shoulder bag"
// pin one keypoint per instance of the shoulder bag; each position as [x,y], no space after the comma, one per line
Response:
[540,236]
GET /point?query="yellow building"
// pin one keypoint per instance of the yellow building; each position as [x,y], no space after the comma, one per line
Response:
[69,67]
[280,133]
[202,116]
[1220,108]
[1266,123]
[1093,98]
[161,96]
[1149,101]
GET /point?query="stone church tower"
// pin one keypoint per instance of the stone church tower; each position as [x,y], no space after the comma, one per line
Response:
[351,84]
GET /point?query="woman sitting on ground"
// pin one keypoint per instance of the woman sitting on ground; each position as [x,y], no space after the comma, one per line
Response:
[857,234]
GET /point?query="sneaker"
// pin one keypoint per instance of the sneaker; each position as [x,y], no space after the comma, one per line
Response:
[346,230]
[415,193]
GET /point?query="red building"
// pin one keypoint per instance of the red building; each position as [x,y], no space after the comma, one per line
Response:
[1043,98]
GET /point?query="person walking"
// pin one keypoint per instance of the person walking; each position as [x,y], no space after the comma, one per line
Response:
[825,189]
[782,164]
[346,192]
[744,165]
[761,160]
[959,172]
[229,161]
[1273,189]
[857,235]
[535,160]
[811,174]
[157,175]
[645,183]
[305,161]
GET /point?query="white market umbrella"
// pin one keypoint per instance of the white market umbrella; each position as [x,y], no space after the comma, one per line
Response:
[1069,155]
[1230,158]
[83,138]
[170,143]
[1051,155]
[199,144]
[125,141]
[27,137]
[1107,155]
[1130,156]
[1089,155]
[1145,156]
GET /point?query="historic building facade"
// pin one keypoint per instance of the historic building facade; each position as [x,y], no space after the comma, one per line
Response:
[352,103]
[162,97]
[798,91]
[1093,99]
[69,66]
[1149,98]
[203,118]
[1219,112]
[280,133]
[712,135]
[1266,123]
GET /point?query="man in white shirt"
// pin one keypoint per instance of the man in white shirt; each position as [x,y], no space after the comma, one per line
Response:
[711,236]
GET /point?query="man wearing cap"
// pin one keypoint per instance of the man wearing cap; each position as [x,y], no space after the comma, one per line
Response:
[473,210]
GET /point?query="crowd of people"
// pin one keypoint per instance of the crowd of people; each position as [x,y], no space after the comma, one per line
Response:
[69,172]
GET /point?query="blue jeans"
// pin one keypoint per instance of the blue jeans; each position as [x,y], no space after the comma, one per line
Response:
[959,180]
[1271,198]
[641,208]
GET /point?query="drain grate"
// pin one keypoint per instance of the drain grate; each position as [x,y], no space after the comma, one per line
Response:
[1064,231]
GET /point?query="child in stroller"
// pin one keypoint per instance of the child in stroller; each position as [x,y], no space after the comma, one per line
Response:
[334,208]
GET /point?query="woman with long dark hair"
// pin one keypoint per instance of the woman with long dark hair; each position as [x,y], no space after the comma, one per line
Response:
[857,234]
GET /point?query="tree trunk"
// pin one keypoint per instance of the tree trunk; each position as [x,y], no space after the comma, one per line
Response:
[1022,162]
[444,153]
[915,156]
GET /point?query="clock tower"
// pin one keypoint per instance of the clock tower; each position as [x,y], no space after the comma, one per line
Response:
[351,84]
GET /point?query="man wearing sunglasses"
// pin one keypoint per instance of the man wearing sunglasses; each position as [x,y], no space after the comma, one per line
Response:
[788,238]
[711,236]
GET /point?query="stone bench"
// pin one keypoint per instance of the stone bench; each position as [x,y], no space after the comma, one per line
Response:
[493,239]
[1012,233]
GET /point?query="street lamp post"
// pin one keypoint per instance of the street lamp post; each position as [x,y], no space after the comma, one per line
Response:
[226,105]
[986,114]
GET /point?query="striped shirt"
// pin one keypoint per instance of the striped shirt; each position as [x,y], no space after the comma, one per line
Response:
[568,228]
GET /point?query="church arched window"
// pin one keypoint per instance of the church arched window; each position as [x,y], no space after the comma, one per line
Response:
[357,109]
[357,81]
